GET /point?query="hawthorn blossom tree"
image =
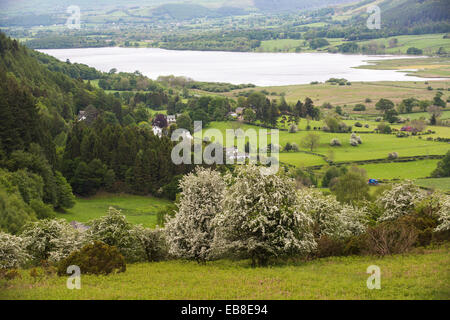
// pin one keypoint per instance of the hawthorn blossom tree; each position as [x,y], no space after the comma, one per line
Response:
[444,214]
[12,253]
[190,232]
[51,239]
[114,230]
[330,217]
[399,200]
[262,218]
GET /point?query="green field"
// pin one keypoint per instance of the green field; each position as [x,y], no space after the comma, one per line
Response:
[422,67]
[435,183]
[375,146]
[137,209]
[423,275]
[429,43]
[359,91]
[400,170]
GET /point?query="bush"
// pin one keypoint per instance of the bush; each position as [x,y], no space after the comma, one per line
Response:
[154,243]
[331,218]
[335,142]
[393,156]
[329,247]
[295,147]
[390,237]
[51,240]
[293,129]
[359,107]
[262,218]
[358,124]
[12,253]
[94,258]
[114,230]
[190,233]
[399,201]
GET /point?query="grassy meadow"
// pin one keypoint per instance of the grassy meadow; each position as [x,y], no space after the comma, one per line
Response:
[435,183]
[358,92]
[137,209]
[374,146]
[420,275]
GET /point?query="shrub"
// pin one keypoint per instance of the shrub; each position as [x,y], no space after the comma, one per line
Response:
[329,247]
[114,230]
[444,214]
[359,107]
[399,201]
[164,214]
[355,138]
[293,129]
[190,233]
[331,218]
[288,147]
[358,124]
[352,186]
[262,218]
[353,142]
[94,258]
[443,167]
[295,147]
[154,243]
[390,237]
[335,142]
[12,253]
[393,156]
[51,239]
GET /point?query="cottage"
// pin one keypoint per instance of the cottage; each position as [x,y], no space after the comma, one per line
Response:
[171,119]
[239,110]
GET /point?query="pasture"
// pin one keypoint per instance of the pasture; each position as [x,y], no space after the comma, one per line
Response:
[420,275]
[374,146]
[358,92]
[137,209]
[435,183]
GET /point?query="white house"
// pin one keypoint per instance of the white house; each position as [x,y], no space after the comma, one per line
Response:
[171,119]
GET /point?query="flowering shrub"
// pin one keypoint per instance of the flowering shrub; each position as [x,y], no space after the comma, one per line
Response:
[12,253]
[335,142]
[331,218]
[190,233]
[399,200]
[153,242]
[262,218]
[51,239]
[444,214]
[114,230]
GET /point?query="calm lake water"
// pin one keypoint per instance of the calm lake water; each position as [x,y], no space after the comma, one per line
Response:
[262,69]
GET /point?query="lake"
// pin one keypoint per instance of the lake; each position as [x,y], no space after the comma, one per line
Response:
[262,69]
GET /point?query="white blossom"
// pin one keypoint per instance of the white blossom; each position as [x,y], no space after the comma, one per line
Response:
[331,218]
[444,214]
[262,218]
[400,200]
[190,233]
[12,253]
[51,239]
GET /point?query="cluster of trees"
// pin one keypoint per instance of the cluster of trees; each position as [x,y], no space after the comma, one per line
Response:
[247,214]
[119,158]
